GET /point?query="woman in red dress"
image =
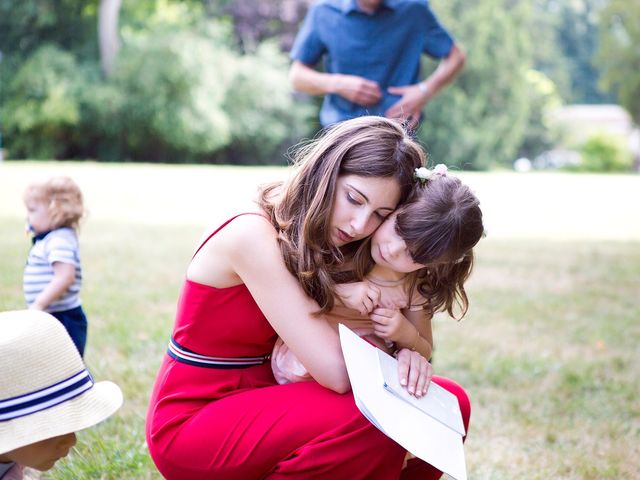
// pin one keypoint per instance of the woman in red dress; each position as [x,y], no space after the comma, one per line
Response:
[216,410]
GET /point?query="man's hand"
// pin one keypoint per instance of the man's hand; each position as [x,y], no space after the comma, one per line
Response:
[414,98]
[359,90]
[410,106]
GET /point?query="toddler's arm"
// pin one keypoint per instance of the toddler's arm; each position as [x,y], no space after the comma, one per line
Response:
[64,275]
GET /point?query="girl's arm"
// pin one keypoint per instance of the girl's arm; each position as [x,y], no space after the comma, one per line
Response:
[64,275]
[408,329]
[421,321]
[246,251]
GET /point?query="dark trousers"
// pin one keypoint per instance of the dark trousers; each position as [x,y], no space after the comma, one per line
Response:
[75,321]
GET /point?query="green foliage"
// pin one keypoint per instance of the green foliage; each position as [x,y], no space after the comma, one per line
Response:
[180,93]
[262,112]
[186,95]
[174,85]
[619,55]
[566,39]
[42,108]
[143,15]
[604,153]
[26,25]
[479,120]
[540,134]
[577,39]
[190,90]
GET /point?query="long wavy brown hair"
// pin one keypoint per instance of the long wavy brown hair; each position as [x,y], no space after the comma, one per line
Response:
[440,224]
[300,209]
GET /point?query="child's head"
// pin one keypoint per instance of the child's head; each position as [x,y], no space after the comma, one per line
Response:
[46,393]
[436,228]
[442,222]
[53,204]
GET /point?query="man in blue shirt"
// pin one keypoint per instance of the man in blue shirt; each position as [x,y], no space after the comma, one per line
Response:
[372,51]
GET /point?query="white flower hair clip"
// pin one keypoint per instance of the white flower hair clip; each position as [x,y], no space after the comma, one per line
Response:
[423,174]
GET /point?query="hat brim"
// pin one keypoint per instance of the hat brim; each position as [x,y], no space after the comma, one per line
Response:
[83,411]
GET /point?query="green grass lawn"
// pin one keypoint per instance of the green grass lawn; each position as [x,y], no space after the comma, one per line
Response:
[548,352]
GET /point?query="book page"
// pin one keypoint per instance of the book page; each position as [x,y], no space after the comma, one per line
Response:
[438,402]
[417,432]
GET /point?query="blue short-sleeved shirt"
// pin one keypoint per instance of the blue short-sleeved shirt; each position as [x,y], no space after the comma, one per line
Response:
[384,47]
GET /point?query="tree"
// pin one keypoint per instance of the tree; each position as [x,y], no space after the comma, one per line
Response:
[540,134]
[257,20]
[108,34]
[28,24]
[619,55]
[479,120]
[566,39]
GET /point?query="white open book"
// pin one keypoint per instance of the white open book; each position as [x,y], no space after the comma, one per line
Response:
[430,427]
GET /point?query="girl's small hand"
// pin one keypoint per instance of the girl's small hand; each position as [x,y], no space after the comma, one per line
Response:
[414,372]
[360,296]
[392,325]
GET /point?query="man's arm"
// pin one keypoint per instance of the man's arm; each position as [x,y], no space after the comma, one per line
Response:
[447,70]
[415,97]
[359,90]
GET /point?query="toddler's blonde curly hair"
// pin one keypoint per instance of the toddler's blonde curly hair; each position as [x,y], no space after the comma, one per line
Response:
[63,199]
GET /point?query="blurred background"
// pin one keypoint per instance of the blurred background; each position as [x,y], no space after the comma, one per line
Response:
[552,84]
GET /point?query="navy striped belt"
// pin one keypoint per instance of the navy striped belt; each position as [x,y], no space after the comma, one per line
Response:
[184,355]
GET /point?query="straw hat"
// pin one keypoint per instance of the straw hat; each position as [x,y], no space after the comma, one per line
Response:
[45,389]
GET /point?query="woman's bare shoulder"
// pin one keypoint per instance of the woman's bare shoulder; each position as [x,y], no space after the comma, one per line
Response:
[235,220]
[239,231]
[233,241]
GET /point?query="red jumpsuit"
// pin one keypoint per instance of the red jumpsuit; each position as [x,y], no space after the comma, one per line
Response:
[226,420]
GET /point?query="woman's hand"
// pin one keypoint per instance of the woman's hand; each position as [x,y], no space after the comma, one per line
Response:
[414,372]
[360,296]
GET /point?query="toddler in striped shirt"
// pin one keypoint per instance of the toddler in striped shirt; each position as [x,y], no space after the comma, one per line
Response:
[53,274]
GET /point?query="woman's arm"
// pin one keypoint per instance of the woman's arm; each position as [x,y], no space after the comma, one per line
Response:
[246,251]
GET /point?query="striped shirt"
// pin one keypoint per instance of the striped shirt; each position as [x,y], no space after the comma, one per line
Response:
[60,245]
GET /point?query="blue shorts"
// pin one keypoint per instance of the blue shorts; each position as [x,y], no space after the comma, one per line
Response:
[75,322]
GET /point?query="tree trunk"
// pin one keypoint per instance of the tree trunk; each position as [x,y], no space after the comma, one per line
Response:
[108,34]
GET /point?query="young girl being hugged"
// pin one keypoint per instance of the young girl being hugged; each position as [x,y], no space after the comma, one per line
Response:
[422,254]
[53,274]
